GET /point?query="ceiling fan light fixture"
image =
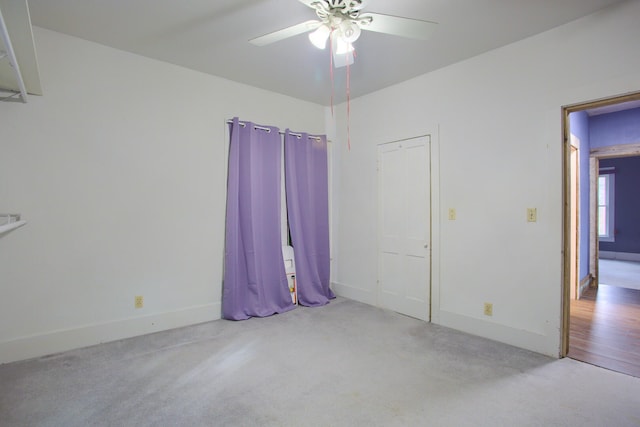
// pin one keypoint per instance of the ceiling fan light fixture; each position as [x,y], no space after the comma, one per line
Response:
[349,30]
[320,36]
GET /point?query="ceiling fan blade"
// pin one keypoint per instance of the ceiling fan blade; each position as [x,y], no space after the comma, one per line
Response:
[397,26]
[285,33]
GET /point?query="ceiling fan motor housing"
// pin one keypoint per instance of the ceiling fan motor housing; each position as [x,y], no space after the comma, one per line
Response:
[342,16]
[345,6]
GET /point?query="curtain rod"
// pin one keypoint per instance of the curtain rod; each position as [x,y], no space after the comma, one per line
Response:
[298,135]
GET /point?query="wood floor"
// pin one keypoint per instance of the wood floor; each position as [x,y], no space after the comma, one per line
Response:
[605,329]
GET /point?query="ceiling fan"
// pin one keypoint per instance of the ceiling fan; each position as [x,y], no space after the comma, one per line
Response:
[341,21]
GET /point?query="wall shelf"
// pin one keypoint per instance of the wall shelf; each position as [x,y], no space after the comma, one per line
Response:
[18,63]
[10,222]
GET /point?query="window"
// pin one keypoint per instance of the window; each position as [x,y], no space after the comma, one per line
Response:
[606,193]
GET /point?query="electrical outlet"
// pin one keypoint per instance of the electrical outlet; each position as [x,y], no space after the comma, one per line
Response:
[452,214]
[488,309]
[532,214]
[138,301]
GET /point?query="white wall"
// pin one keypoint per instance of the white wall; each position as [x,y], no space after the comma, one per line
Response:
[499,119]
[119,170]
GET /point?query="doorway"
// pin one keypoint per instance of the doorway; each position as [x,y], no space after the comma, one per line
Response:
[404,227]
[586,330]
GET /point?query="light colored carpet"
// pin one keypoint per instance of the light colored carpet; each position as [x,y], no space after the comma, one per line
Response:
[346,364]
[624,274]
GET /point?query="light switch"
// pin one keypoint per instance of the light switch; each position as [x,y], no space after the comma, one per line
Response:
[532,214]
[452,214]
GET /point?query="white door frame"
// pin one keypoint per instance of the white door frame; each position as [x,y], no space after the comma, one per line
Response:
[574,205]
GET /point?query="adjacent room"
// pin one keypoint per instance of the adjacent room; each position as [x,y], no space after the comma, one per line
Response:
[605,239]
[400,171]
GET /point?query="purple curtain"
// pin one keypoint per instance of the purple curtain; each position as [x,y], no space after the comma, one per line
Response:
[307,189]
[255,283]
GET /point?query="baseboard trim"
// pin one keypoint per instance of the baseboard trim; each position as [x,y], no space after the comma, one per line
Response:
[585,283]
[357,294]
[621,256]
[84,336]
[528,340]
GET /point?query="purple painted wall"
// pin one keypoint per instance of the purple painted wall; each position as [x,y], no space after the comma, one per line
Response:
[614,129]
[627,205]
[579,124]
[622,127]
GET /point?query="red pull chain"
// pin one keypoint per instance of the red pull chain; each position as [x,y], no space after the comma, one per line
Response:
[331,67]
[348,88]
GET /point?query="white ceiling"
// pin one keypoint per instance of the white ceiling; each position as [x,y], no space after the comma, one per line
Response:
[211,36]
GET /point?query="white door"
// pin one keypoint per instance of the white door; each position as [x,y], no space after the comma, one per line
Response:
[404,227]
